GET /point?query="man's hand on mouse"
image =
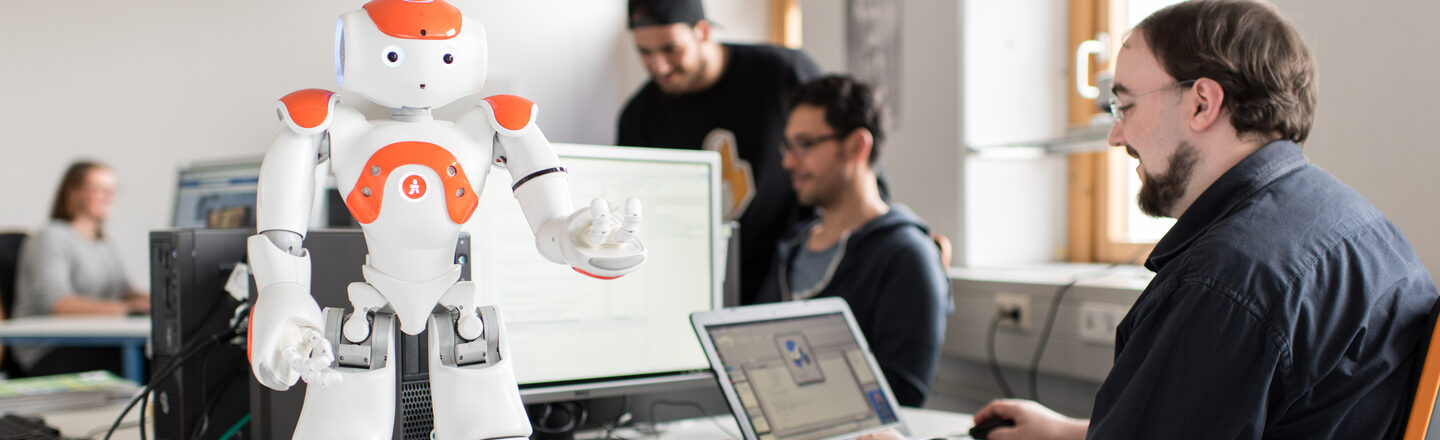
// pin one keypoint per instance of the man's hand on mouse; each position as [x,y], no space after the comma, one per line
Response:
[1033,421]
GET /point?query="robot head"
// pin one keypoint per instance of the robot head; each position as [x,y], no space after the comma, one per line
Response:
[410,53]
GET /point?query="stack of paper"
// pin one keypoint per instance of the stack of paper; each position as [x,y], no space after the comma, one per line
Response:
[64,391]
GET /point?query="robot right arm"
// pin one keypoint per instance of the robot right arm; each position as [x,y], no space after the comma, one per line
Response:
[285,339]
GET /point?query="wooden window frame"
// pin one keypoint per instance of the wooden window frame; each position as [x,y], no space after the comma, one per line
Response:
[785,23]
[1098,200]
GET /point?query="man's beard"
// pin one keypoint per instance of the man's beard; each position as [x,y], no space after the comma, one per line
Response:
[690,80]
[1158,193]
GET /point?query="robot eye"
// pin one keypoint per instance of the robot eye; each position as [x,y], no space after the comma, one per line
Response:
[392,56]
[449,58]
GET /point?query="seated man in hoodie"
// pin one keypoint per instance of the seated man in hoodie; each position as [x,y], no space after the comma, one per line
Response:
[878,256]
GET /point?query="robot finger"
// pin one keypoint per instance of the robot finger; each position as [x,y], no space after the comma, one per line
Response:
[630,222]
[321,352]
[292,359]
[601,223]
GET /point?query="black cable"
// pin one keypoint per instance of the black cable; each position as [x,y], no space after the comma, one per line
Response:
[215,396]
[160,376]
[1045,338]
[143,404]
[608,428]
[619,417]
[164,373]
[994,360]
[656,425]
[1054,310]
[96,432]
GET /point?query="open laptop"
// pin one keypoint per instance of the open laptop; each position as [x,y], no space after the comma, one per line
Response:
[797,370]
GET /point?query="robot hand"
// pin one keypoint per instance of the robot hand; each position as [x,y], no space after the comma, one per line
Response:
[291,351]
[602,246]
[285,342]
[314,365]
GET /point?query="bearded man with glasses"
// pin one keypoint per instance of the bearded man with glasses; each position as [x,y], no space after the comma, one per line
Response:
[875,254]
[1284,305]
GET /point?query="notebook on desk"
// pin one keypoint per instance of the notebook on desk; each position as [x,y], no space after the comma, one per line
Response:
[798,370]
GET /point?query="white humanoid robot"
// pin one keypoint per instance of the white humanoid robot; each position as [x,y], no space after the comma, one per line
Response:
[410,181]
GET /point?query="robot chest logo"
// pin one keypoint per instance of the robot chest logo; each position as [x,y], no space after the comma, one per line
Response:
[412,188]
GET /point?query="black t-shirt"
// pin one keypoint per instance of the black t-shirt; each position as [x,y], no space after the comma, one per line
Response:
[749,100]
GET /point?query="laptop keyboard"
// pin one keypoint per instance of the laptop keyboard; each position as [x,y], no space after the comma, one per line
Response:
[13,427]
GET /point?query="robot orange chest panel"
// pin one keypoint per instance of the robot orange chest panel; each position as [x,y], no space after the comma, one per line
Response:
[398,170]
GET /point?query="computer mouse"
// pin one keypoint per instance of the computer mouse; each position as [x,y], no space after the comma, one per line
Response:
[981,430]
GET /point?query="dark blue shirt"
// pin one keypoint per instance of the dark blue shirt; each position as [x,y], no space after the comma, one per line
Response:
[1284,305]
[889,272]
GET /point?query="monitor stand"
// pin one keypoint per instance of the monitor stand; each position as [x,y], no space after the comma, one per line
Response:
[557,420]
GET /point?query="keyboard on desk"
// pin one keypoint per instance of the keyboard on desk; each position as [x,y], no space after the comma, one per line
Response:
[13,427]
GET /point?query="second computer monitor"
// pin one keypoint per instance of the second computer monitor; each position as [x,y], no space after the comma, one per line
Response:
[217,194]
[573,336]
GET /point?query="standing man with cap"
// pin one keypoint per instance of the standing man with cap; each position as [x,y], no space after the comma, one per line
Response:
[723,97]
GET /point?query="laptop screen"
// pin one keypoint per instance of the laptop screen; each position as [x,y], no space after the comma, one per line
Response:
[801,378]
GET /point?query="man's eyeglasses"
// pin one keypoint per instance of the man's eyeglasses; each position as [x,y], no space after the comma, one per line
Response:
[1118,111]
[803,145]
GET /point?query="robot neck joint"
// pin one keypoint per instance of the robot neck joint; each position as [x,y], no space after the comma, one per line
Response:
[411,114]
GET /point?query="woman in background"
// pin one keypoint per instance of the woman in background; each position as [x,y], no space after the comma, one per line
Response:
[67,268]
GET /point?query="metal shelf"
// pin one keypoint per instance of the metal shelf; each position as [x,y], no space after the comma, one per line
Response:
[1076,140]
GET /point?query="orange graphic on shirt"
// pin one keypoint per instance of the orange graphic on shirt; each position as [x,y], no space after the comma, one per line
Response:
[736,176]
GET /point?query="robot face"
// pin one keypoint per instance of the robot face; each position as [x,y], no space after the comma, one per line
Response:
[407,53]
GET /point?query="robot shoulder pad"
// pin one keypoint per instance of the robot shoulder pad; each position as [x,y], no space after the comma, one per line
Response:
[308,111]
[509,113]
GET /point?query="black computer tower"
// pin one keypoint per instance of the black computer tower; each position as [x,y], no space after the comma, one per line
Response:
[206,395]
[189,268]
[335,258]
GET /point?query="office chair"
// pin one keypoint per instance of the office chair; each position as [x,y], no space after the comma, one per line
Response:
[1423,406]
[9,260]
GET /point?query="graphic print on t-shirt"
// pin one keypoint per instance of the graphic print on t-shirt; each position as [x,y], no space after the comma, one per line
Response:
[737,178]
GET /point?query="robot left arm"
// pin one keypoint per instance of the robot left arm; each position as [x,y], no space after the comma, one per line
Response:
[591,240]
[285,339]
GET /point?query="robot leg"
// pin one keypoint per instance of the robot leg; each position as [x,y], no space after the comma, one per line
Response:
[362,404]
[472,382]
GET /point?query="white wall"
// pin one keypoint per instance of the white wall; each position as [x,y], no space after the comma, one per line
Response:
[923,157]
[1375,121]
[148,85]
[1015,92]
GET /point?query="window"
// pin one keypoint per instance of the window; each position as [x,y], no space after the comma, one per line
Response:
[1105,224]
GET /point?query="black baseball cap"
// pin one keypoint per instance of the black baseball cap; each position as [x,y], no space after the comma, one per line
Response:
[657,12]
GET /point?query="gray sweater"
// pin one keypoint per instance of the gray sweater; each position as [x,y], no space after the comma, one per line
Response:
[56,261]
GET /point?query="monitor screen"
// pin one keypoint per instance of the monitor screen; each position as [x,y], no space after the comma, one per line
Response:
[781,368]
[217,194]
[573,336]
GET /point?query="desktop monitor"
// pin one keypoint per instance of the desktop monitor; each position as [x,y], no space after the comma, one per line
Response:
[218,194]
[221,194]
[574,337]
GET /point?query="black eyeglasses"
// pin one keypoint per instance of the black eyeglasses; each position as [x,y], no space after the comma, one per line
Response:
[803,145]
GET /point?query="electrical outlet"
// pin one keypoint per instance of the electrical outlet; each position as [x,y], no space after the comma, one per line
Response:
[1008,305]
[1099,320]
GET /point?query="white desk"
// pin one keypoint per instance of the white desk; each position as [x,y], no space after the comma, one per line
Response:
[85,423]
[923,424]
[129,333]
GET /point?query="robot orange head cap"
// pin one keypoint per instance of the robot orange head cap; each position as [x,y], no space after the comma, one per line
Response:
[410,53]
[416,19]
